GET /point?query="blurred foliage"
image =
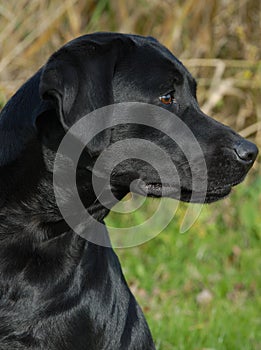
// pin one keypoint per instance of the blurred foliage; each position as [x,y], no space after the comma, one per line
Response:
[219,41]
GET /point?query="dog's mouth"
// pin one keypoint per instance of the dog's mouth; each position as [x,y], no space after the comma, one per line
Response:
[158,190]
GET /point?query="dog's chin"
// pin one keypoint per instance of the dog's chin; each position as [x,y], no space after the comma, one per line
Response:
[158,190]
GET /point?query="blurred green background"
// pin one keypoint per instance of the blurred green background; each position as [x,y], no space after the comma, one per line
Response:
[199,290]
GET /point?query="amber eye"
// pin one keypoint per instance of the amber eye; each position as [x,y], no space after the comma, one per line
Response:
[167,99]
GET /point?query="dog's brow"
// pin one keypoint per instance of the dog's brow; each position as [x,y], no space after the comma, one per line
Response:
[177,76]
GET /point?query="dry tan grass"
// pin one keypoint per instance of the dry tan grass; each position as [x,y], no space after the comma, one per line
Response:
[218,40]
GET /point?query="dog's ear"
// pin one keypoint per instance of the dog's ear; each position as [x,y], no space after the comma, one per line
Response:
[59,84]
[77,79]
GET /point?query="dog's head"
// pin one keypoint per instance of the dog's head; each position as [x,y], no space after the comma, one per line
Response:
[102,69]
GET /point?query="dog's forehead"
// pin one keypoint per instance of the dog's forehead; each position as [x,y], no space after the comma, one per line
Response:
[157,64]
[146,46]
[152,55]
[137,52]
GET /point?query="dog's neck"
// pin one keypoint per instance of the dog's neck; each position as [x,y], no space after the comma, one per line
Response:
[27,193]
[31,225]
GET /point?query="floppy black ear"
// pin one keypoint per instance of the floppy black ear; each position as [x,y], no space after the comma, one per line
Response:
[59,83]
[78,79]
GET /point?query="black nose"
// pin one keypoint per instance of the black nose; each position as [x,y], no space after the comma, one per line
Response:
[246,151]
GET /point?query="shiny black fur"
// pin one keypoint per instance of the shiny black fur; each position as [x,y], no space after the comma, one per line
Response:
[58,291]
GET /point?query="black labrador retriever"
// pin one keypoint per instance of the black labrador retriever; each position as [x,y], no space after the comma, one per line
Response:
[58,290]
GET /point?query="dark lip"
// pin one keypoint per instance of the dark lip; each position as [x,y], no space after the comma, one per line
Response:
[183,194]
[209,197]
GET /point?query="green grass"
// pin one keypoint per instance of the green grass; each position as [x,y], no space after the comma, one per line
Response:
[221,254]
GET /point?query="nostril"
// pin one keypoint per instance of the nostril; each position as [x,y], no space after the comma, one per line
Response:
[246,151]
